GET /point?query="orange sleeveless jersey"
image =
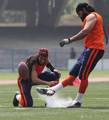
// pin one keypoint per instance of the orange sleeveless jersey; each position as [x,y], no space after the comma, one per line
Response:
[95,39]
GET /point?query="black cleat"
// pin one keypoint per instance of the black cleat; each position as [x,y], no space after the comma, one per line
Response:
[15,101]
[75,105]
[45,91]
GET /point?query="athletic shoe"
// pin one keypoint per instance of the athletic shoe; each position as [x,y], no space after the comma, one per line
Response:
[75,104]
[15,101]
[45,91]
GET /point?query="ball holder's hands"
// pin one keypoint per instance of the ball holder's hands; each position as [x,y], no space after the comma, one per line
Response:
[53,83]
[64,42]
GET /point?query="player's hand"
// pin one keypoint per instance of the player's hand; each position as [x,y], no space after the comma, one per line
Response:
[53,83]
[64,42]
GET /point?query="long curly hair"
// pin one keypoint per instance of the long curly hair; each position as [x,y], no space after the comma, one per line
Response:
[81,6]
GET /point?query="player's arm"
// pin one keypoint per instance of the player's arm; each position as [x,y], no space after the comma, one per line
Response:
[90,23]
[52,68]
[36,80]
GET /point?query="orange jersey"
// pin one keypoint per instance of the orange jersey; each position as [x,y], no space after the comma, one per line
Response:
[95,39]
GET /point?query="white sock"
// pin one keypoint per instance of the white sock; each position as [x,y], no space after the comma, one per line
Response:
[18,96]
[57,87]
[79,97]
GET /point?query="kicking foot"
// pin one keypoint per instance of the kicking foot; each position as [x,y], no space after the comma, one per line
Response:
[45,91]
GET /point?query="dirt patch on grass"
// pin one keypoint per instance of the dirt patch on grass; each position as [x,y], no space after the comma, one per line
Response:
[99,79]
[8,82]
[96,79]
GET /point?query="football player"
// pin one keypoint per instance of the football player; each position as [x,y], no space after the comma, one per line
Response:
[93,35]
[31,72]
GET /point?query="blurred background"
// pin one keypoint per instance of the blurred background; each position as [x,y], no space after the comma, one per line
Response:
[26,25]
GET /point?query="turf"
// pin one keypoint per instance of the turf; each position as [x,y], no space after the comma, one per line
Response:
[8,75]
[95,105]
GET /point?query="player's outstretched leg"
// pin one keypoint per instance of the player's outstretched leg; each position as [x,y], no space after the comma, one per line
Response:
[51,90]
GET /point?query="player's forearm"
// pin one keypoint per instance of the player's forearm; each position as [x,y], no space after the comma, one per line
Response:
[79,35]
[50,66]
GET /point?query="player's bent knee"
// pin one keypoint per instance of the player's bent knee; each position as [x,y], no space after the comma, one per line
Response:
[56,76]
[23,70]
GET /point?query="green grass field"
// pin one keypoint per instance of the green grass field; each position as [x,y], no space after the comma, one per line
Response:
[95,104]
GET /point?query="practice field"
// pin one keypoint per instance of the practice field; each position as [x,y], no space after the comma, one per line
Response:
[13,75]
[95,107]
[95,104]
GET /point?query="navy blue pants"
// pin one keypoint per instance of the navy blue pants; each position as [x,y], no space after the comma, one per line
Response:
[86,63]
[49,76]
[25,86]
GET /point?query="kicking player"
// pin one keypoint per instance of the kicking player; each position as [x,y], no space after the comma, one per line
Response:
[31,73]
[93,35]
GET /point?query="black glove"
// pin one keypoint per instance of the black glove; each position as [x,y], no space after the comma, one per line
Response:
[57,73]
[64,42]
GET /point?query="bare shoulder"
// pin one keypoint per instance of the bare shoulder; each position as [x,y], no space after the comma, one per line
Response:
[91,17]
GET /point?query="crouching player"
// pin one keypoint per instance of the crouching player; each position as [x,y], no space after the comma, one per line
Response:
[30,73]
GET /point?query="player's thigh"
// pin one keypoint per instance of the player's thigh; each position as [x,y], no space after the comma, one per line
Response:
[79,63]
[91,57]
[48,76]
[23,70]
